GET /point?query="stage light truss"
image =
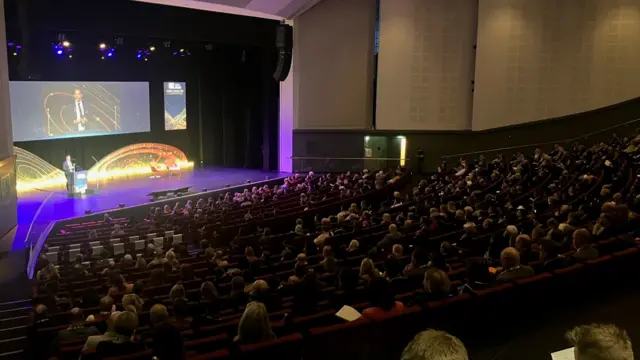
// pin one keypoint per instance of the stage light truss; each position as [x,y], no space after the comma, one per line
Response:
[33,173]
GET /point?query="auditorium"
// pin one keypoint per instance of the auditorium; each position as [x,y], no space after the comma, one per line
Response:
[319,179]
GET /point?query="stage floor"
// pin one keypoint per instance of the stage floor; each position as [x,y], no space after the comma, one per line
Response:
[132,191]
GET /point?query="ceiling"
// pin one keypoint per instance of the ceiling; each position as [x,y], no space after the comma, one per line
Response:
[268,9]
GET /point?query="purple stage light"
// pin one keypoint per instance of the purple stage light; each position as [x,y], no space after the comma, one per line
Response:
[110,54]
[19,47]
[9,44]
[59,52]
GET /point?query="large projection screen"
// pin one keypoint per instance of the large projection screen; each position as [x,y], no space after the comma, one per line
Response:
[51,110]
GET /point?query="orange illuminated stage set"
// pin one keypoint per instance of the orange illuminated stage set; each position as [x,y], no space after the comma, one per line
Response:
[33,173]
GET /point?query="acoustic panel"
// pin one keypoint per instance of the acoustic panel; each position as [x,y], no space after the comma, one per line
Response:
[546,58]
[425,64]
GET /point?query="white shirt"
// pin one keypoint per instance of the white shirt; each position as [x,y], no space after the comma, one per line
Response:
[70,165]
[80,115]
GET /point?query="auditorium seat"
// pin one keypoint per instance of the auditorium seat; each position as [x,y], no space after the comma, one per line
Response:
[287,348]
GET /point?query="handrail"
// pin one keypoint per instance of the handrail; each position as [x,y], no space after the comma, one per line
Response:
[540,144]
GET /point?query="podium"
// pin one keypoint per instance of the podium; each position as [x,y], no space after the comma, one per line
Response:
[77,182]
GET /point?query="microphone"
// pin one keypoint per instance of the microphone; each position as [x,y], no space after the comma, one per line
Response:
[94,159]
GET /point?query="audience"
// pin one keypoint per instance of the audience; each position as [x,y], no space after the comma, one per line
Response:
[511,268]
[381,300]
[435,345]
[125,327]
[254,326]
[600,342]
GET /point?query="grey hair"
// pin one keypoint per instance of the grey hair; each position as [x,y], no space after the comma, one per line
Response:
[435,345]
[600,342]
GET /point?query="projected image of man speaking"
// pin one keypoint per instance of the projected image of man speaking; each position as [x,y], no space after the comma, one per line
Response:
[81,109]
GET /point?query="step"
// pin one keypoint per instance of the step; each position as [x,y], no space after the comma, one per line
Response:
[13,344]
[12,332]
[14,321]
[12,355]
[15,312]
[15,304]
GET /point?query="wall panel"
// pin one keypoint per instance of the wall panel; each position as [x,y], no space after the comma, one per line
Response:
[425,64]
[546,58]
[333,73]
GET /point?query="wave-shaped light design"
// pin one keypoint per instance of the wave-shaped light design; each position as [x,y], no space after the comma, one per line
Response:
[32,172]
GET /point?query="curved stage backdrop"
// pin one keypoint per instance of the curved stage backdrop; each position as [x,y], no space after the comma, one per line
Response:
[34,173]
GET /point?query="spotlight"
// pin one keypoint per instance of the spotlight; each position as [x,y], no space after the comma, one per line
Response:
[59,52]
[103,46]
[153,48]
[110,53]
[66,43]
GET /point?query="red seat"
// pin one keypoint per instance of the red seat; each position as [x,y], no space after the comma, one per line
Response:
[568,269]
[220,354]
[600,260]
[533,278]
[286,347]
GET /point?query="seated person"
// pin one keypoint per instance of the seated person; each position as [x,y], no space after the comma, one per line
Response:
[93,341]
[381,300]
[77,330]
[582,244]
[254,326]
[125,327]
[478,277]
[511,268]
[551,256]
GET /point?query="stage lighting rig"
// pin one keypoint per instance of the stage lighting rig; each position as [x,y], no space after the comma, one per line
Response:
[63,48]
[106,51]
[13,48]
[182,52]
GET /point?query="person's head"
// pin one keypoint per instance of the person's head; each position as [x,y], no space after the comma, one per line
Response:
[208,291]
[600,342]
[509,258]
[77,317]
[354,245]
[393,229]
[159,253]
[301,259]
[106,304]
[434,345]
[77,94]
[380,294]
[523,242]
[237,283]
[327,251]
[177,292]
[512,231]
[67,158]
[550,248]
[170,256]
[581,237]
[248,252]
[254,324]
[330,264]
[436,281]
[158,314]
[397,250]
[367,267]
[111,321]
[133,300]
[126,324]
[469,228]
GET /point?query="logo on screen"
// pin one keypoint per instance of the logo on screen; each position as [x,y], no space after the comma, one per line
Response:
[175,86]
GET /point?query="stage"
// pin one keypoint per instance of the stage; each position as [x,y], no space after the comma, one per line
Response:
[130,191]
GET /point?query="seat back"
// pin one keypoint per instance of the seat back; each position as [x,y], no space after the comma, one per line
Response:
[177,239]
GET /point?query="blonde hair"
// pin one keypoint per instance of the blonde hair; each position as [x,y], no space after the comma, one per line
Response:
[510,257]
[436,281]
[170,256]
[367,267]
[254,326]
[600,342]
[354,244]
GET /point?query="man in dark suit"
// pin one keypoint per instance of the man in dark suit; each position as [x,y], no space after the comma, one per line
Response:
[511,268]
[76,330]
[81,112]
[68,168]
[582,243]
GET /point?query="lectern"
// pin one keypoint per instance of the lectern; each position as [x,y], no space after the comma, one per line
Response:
[78,183]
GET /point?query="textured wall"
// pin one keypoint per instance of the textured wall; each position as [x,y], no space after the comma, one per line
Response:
[425,64]
[548,58]
[333,73]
